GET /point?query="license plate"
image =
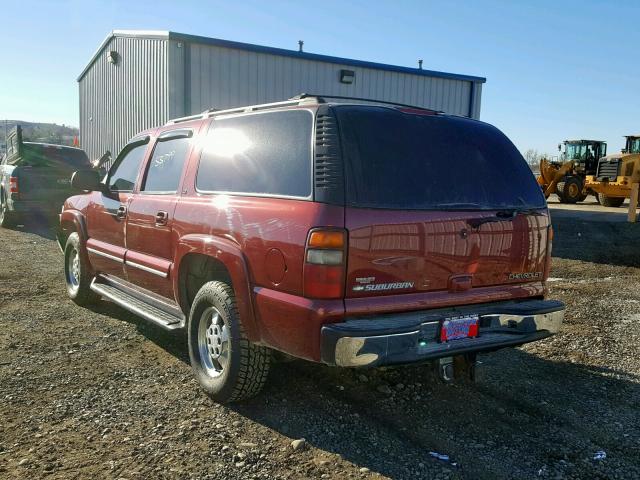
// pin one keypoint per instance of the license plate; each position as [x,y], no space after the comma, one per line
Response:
[455,328]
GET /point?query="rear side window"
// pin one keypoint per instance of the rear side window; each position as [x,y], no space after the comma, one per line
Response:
[266,153]
[122,177]
[405,161]
[54,157]
[165,167]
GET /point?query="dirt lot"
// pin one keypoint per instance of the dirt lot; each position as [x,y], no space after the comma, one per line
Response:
[99,393]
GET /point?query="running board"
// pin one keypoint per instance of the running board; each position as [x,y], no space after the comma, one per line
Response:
[140,308]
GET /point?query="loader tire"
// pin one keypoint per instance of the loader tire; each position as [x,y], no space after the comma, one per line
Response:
[607,201]
[560,192]
[572,190]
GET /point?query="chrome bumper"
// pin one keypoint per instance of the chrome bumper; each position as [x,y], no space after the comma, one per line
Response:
[375,341]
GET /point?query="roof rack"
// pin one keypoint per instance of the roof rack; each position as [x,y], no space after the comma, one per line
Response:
[300,99]
[251,108]
[322,99]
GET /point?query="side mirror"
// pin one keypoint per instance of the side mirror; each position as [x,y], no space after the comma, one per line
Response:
[86,180]
[99,162]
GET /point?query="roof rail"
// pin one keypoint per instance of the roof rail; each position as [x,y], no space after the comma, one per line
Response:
[296,100]
[322,99]
[251,108]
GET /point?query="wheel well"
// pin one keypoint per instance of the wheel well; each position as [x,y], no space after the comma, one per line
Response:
[196,270]
[66,228]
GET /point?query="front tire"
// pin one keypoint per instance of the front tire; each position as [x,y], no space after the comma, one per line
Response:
[560,192]
[7,218]
[76,273]
[607,201]
[227,366]
[572,190]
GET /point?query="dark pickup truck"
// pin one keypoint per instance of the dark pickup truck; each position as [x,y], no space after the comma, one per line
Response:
[35,178]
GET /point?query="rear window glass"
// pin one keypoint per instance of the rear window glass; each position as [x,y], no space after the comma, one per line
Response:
[404,161]
[266,153]
[53,156]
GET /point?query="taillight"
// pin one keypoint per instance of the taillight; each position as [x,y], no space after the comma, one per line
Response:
[13,185]
[324,263]
[547,266]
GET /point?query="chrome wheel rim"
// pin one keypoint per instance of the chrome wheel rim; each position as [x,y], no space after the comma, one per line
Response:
[213,342]
[73,269]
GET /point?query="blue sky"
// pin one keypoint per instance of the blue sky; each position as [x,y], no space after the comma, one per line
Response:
[555,69]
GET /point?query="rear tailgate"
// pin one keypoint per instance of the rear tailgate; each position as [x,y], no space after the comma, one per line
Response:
[44,174]
[437,208]
[398,252]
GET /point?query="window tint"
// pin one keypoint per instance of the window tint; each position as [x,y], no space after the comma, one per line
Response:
[54,156]
[267,153]
[123,176]
[165,167]
[406,161]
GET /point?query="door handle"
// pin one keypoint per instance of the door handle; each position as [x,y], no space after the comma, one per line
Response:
[161,218]
[122,211]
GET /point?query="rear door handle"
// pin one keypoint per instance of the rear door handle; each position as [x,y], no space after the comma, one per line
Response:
[161,218]
[122,211]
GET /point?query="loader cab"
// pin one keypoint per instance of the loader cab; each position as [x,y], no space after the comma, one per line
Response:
[585,154]
[632,144]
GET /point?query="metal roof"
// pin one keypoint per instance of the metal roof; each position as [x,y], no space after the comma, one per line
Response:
[167,35]
[585,141]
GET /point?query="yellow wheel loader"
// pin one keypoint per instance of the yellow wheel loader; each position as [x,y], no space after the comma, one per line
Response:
[616,173]
[566,176]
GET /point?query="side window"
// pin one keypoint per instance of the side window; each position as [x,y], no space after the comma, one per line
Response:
[123,174]
[165,167]
[265,153]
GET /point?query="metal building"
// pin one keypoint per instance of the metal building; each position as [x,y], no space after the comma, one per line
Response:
[140,79]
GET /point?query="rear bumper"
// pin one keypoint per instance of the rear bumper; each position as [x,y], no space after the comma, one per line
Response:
[414,337]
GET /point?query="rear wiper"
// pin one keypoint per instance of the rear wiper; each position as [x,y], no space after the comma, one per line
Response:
[503,215]
[461,206]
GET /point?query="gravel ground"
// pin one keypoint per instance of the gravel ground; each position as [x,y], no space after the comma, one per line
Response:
[99,393]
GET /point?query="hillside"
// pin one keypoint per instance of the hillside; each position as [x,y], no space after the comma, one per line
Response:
[41,132]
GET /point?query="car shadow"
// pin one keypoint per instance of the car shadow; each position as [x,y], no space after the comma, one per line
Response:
[524,415]
[612,243]
[42,225]
[173,342]
[390,424]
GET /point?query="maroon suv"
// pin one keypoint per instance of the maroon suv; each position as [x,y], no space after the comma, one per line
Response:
[345,233]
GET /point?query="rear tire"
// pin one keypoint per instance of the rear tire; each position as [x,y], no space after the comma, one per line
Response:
[76,273]
[227,366]
[607,201]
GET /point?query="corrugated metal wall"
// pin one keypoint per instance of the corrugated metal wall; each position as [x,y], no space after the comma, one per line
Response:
[119,100]
[218,77]
[159,77]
